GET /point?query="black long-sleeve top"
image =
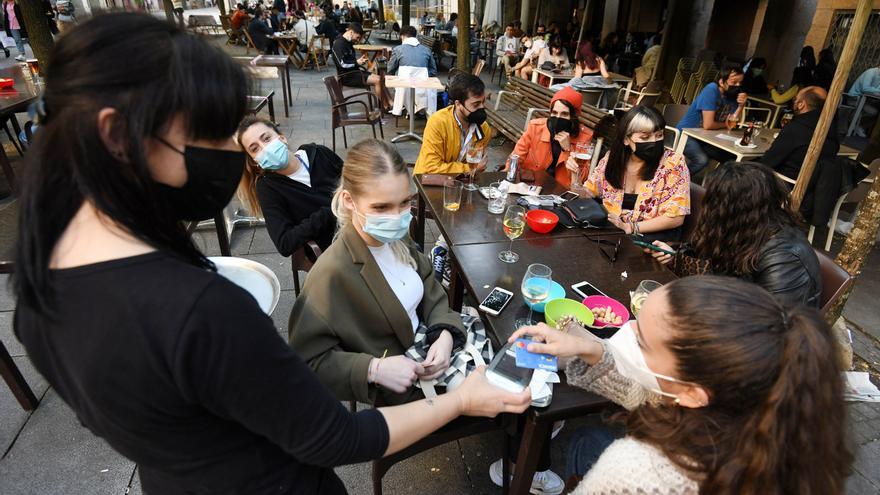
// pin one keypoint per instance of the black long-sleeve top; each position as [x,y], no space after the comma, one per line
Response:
[179,370]
[296,213]
[787,153]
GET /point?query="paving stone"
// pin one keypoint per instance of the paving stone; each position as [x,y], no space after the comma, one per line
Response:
[7,300]
[12,416]
[866,462]
[56,455]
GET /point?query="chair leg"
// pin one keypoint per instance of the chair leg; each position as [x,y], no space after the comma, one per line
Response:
[334,140]
[377,479]
[353,406]
[344,138]
[810,233]
[296,288]
[11,374]
[222,235]
[833,224]
[381,132]
[373,127]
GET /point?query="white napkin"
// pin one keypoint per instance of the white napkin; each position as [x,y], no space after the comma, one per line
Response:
[728,137]
[521,188]
[858,387]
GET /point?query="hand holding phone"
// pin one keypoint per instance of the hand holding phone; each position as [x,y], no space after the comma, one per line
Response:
[655,246]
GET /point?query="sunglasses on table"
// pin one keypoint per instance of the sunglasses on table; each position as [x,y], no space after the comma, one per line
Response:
[605,246]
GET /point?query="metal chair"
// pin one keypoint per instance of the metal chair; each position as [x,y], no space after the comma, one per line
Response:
[592,96]
[835,280]
[647,97]
[753,114]
[698,192]
[256,278]
[342,117]
[672,114]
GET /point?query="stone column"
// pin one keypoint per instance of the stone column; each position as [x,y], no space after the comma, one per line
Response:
[609,23]
[525,14]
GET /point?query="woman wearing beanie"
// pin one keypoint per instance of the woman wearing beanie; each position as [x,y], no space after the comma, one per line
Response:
[547,144]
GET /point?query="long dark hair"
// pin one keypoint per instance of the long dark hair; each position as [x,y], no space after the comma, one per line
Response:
[745,204]
[174,74]
[638,119]
[586,57]
[775,423]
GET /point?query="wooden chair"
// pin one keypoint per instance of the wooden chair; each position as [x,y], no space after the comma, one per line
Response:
[342,117]
[835,280]
[690,221]
[249,42]
[10,372]
[315,52]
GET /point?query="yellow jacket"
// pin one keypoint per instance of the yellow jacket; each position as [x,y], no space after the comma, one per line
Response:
[441,144]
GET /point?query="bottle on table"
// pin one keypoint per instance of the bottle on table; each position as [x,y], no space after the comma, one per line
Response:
[747,135]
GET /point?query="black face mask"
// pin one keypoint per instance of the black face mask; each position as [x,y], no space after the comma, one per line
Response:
[212,178]
[650,151]
[558,124]
[477,116]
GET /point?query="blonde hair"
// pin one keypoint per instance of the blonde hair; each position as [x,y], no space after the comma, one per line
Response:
[247,186]
[366,162]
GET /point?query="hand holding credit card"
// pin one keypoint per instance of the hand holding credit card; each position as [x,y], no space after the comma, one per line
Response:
[526,359]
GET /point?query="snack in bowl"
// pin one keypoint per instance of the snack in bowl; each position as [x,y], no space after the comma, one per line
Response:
[608,312]
[607,316]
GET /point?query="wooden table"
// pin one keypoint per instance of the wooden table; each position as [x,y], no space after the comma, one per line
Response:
[572,259]
[16,99]
[413,84]
[281,62]
[290,43]
[764,141]
[372,51]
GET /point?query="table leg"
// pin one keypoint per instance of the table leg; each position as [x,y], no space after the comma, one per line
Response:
[8,171]
[534,436]
[535,77]
[854,123]
[272,108]
[289,87]
[285,94]
[412,120]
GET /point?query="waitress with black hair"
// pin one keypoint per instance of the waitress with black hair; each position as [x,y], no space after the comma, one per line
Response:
[548,143]
[644,187]
[174,366]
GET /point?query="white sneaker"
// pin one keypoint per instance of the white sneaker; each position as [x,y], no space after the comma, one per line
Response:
[20,58]
[843,227]
[544,482]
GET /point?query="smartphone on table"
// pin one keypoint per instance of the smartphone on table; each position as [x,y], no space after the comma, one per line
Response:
[586,289]
[495,302]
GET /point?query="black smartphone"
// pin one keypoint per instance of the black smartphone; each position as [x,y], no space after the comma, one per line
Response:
[640,241]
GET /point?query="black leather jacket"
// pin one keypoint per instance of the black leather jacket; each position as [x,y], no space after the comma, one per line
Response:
[787,268]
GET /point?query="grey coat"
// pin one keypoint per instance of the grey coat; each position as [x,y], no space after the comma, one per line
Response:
[415,56]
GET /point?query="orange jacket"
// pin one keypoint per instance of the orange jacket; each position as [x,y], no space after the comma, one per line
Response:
[535,153]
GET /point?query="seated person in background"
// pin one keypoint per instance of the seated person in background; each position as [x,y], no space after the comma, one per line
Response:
[326,28]
[453,22]
[715,374]
[748,230]
[534,46]
[717,102]
[555,54]
[348,67]
[304,30]
[548,143]
[238,18]
[868,82]
[411,53]
[292,191]
[507,49]
[644,187]
[825,69]
[645,72]
[450,131]
[787,153]
[541,32]
[275,20]
[260,31]
[800,79]
[754,82]
[368,295]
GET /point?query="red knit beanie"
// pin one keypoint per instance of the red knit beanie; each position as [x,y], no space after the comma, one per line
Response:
[569,95]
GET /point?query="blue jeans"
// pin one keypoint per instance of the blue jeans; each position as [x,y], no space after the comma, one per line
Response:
[586,445]
[16,35]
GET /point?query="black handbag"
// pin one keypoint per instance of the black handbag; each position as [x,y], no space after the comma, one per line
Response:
[585,212]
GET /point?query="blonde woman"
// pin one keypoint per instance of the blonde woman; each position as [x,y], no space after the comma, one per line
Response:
[291,190]
[368,295]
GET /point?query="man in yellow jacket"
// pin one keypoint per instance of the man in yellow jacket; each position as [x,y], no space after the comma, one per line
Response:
[452,130]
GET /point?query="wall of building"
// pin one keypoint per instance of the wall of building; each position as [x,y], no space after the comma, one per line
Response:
[786,23]
[821,24]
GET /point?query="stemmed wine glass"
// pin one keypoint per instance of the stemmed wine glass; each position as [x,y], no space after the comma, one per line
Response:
[640,294]
[535,288]
[474,158]
[514,224]
[730,122]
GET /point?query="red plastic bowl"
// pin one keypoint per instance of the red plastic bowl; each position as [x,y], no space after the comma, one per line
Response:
[6,83]
[604,302]
[541,221]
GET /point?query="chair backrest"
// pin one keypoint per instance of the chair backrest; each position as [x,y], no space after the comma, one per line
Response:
[690,221]
[835,280]
[253,277]
[334,88]
[674,112]
[862,188]
[648,99]
[653,87]
[592,96]
[302,260]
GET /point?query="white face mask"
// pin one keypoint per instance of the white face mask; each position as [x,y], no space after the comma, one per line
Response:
[631,363]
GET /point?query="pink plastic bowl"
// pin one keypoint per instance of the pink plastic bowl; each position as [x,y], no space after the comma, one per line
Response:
[604,302]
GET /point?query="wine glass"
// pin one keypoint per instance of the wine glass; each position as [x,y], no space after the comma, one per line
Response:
[514,225]
[637,299]
[730,122]
[535,289]
[756,131]
[474,158]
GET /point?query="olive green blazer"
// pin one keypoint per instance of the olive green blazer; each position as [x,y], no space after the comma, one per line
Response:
[347,314]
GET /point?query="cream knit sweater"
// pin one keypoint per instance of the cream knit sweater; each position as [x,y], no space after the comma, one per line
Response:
[628,466]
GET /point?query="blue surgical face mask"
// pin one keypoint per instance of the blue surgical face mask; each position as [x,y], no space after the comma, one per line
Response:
[274,156]
[387,228]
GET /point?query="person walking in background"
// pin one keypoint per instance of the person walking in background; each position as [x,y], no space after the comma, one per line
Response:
[13,23]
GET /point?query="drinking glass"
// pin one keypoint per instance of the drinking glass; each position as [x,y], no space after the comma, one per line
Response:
[637,299]
[497,198]
[452,195]
[474,158]
[583,154]
[730,122]
[756,131]
[535,288]
[514,224]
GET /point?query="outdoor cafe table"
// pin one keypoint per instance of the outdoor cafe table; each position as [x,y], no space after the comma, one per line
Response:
[857,114]
[572,259]
[372,51]
[14,100]
[741,153]
[288,42]
[413,84]
[281,62]
[568,74]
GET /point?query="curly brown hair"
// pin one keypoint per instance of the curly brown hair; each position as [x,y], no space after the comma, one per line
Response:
[744,206]
[775,423]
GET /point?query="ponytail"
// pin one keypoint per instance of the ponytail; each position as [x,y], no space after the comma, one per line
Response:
[778,450]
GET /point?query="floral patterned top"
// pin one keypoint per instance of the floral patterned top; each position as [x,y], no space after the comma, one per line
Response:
[668,193]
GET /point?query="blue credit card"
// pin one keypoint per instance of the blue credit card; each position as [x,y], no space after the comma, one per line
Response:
[526,359]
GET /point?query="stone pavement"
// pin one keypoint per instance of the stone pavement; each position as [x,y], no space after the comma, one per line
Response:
[49,452]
